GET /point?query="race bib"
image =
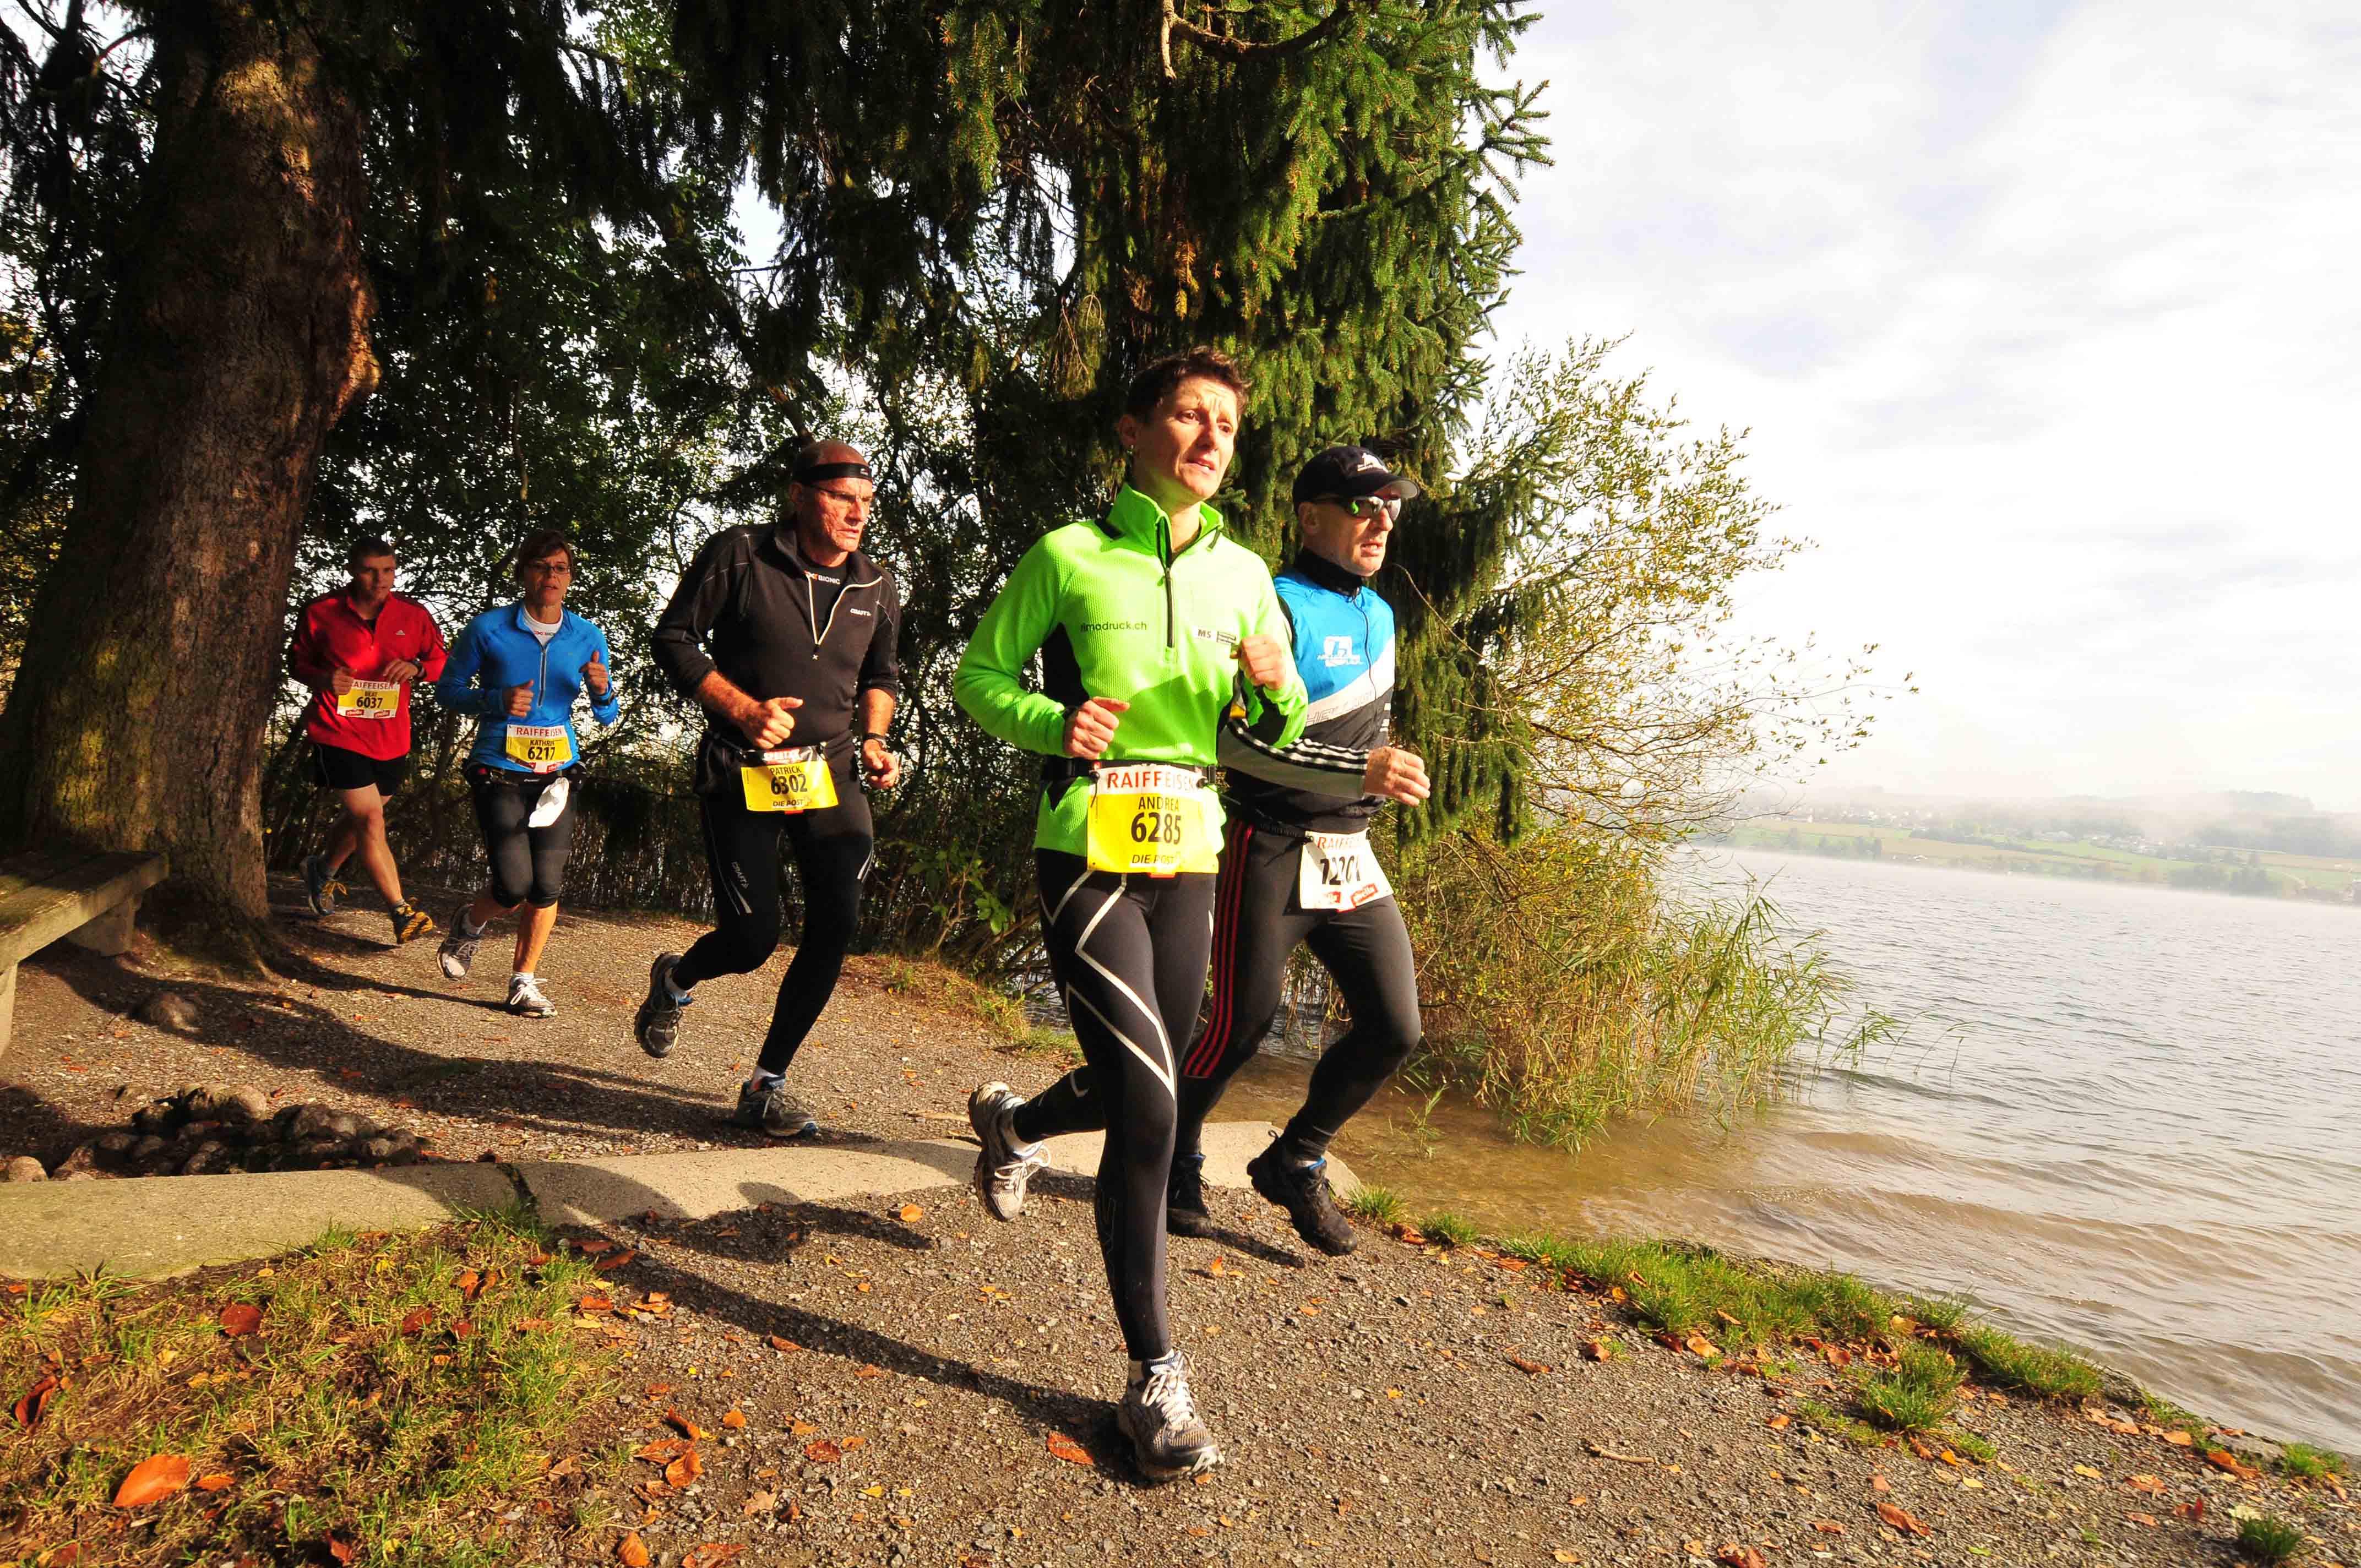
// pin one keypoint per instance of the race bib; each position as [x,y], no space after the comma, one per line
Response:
[371,699]
[1148,818]
[796,779]
[1339,870]
[543,748]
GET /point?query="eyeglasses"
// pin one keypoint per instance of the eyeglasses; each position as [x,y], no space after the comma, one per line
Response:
[1365,507]
[551,568]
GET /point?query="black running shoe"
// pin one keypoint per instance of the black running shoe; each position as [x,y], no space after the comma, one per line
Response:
[1184,1200]
[1303,1191]
[773,1112]
[657,1023]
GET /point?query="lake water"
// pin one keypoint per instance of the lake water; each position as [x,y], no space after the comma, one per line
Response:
[2125,1119]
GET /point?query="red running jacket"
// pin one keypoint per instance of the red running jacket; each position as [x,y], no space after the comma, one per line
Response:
[329,635]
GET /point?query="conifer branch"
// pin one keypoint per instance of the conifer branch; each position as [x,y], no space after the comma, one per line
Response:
[1229,48]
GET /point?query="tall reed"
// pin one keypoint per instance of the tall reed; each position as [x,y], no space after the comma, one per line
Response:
[1563,985]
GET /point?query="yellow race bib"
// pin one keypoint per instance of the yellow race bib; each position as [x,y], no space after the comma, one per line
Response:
[543,748]
[1152,819]
[796,779]
[371,699]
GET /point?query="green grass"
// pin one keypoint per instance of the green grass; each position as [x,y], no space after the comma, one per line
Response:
[2009,1363]
[2301,1461]
[1377,1205]
[2269,1540]
[1915,1394]
[328,1423]
[1448,1230]
[1844,1428]
[1969,1443]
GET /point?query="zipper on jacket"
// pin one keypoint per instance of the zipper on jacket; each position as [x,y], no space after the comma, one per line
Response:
[1164,555]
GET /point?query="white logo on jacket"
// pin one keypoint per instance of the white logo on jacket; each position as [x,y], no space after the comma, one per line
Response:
[1337,652]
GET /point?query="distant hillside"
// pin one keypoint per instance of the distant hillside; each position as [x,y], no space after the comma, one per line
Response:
[2263,822]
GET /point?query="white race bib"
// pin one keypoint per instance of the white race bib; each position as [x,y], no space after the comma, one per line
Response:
[543,748]
[371,699]
[1339,870]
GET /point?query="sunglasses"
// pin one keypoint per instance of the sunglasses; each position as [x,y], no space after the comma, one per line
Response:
[1365,507]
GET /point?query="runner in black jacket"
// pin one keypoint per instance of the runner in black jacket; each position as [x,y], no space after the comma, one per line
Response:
[785,637]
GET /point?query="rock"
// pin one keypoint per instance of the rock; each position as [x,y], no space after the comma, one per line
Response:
[208,1157]
[314,1154]
[310,1121]
[378,1149]
[246,1106]
[117,1143]
[343,1125]
[84,1159]
[170,1010]
[147,1148]
[24,1168]
[77,1176]
[158,1116]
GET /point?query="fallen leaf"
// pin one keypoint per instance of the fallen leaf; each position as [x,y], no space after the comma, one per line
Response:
[823,1452]
[418,1320]
[683,1425]
[462,1329]
[662,1451]
[631,1552]
[1736,1556]
[215,1482]
[758,1503]
[240,1318]
[595,1245]
[342,1549]
[152,1480]
[590,1305]
[1563,1555]
[912,1213]
[2223,1459]
[2193,1511]
[2179,1438]
[35,1402]
[685,1469]
[1698,1345]
[708,1554]
[780,1342]
[1902,1519]
[1879,1483]
[1067,1449]
[2148,1519]
[470,1283]
[852,1443]
[2152,1484]
[537,1259]
[1530,1368]
[1777,1423]
[734,1419]
[608,1264]
[1827,1527]
[2092,1472]
[866,1370]
[802,1428]
[529,1325]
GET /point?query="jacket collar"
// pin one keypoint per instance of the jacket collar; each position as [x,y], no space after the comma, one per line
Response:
[565,617]
[1131,518]
[1322,573]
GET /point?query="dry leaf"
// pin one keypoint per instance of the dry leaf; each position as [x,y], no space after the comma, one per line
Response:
[152,1480]
[2193,1511]
[685,1469]
[590,1305]
[657,1390]
[2090,1471]
[2152,1484]
[734,1419]
[1902,1519]
[868,1371]
[470,1282]
[35,1402]
[216,1482]
[418,1320]
[633,1552]
[462,1329]
[342,1549]
[852,1443]
[1698,1345]
[2223,1459]
[823,1452]
[608,1264]
[683,1425]
[802,1428]
[1827,1527]
[2179,1438]
[2148,1519]
[1563,1555]
[528,1325]
[1879,1483]
[780,1342]
[1530,1368]
[662,1451]
[912,1213]
[1594,1350]
[239,1318]
[596,1246]
[1067,1449]
[1736,1556]
[758,1503]
[708,1554]
[1777,1423]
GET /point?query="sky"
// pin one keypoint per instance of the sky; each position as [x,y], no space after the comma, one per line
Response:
[2045,320]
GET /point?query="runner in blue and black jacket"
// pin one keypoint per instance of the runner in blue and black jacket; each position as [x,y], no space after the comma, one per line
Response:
[518,669]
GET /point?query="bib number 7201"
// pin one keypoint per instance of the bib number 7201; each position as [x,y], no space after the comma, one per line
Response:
[1339,870]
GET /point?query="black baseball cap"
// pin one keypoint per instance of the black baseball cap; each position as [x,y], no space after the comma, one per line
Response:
[1350,472]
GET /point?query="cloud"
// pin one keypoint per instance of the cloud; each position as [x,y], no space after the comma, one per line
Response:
[2042,319]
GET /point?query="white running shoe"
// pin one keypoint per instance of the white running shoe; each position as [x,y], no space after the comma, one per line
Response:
[526,999]
[1002,1166]
[1160,1419]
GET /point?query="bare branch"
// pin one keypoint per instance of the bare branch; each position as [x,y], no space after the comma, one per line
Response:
[1241,49]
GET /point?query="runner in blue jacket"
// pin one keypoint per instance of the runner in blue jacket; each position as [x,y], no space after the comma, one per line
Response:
[517,670]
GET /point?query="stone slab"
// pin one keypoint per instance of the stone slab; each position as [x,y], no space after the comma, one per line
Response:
[705,1182]
[148,1227]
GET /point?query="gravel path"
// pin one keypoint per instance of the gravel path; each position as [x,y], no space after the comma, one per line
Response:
[1401,1406]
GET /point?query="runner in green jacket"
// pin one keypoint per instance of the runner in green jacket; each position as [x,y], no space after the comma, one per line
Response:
[1151,623]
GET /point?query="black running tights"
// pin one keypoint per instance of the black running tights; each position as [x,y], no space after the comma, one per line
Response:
[1130,953]
[832,854]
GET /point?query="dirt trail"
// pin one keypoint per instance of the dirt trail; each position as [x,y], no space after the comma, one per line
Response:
[1401,1406]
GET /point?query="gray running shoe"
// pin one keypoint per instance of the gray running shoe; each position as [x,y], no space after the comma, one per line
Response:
[526,999]
[320,890]
[657,1023]
[1002,1170]
[1303,1191]
[458,949]
[775,1111]
[1160,1419]
[1184,1200]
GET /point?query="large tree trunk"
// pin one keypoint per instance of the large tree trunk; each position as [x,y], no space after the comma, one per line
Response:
[240,337]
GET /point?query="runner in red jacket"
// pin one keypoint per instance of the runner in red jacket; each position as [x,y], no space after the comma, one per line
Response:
[361,650]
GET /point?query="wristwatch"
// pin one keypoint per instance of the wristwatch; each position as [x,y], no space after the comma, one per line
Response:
[876,735]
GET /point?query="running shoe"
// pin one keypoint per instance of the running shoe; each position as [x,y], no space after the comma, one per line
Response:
[458,951]
[1184,1200]
[1303,1191]
[1160,1419]
[773,1111]
[321,889]
[409,923]
[526,999]
[657,1023]
[1001,1169]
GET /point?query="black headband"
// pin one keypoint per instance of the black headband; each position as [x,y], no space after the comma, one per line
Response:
[812,473]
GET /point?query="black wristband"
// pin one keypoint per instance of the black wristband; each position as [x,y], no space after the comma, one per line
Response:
[876,735]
